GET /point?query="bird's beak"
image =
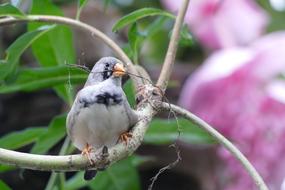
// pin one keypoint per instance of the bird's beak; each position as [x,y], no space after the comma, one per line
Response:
[119,70]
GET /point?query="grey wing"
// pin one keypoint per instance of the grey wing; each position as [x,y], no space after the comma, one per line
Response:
[71,118]
[82,100]
[133,117]
[70,121]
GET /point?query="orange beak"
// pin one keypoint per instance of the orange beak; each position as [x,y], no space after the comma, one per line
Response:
[119,70]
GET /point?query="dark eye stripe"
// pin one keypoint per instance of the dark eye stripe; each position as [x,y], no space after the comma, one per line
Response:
[106,73]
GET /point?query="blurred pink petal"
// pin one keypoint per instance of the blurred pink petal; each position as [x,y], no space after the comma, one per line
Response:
[238,91]
[223,23]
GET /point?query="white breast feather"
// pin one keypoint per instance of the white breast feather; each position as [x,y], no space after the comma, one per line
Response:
[102,128]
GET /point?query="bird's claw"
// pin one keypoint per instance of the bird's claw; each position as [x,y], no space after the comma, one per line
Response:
[86,152]
[124,137]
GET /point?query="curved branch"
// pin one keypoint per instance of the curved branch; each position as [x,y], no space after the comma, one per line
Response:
[221,139]
[82,26]
[42,162]
[172,48]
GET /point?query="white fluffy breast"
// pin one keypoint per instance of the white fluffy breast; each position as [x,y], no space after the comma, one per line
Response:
[99,125]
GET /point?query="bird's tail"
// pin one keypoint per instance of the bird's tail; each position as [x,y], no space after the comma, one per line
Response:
[89,174]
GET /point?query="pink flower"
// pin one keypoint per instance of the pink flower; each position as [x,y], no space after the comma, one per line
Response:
[237,90]
[223,23]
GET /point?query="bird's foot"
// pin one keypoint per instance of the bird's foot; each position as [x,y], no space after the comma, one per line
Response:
[124,137]
[86,152]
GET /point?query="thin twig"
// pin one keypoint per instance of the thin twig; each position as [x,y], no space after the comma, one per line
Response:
[174,145]
[172,48]
[222,140]
[167,167]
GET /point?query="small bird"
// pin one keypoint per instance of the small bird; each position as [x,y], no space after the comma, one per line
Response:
[101,115]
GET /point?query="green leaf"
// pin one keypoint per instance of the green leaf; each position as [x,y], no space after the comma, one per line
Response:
[126,48]
[138,160]
[186,38]
[4,186]
[4,168]
[22,138]
[15,50]
[38,78]
[54,48]
[155,26]
[130,92]
[135,41]
[81,5]
[55,132]
[9,10]
[139,14]
[112,178]
[162,131]
[77,182]
[3,69]
[119,176]
[136,38]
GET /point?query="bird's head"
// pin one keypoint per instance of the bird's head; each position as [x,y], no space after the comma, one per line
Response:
[105,68]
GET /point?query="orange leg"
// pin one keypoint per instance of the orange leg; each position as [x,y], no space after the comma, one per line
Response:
[86,152]
[124,137]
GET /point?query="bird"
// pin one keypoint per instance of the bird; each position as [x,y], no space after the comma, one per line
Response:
[101,115]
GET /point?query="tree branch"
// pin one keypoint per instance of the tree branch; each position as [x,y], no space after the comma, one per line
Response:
[221,139]
[172,48]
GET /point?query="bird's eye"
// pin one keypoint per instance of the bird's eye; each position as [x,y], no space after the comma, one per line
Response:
[107,72]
